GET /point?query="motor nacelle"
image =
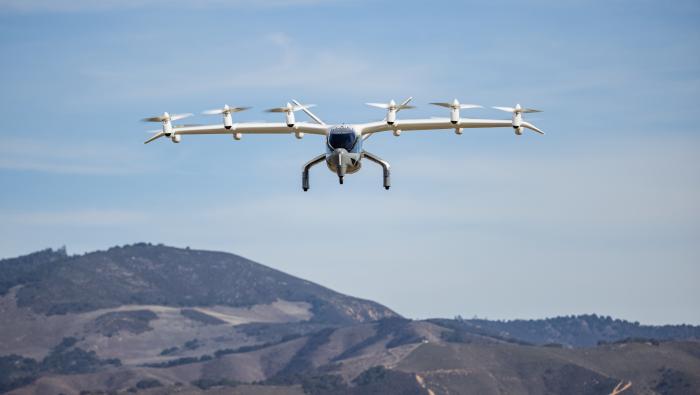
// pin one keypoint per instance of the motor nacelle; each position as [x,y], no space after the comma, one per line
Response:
[459,131]
[237,136]
[517,123]
[454,107]
[391,116]
[454,115]
[397,132]
[289,110]
[176,138]
[227,112]
[167,127]
[299,135]
[166,121]
[391,109]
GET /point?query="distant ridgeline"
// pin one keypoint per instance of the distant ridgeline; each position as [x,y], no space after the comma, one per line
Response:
[574,331]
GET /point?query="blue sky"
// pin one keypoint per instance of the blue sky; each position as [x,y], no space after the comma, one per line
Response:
[600,215]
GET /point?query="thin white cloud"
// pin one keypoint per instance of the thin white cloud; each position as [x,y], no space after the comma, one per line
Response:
[276,62]
[63,157]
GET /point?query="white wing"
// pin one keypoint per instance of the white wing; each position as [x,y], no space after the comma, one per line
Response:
[438,124]
[248,128]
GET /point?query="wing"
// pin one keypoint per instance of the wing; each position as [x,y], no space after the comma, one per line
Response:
[438,124]
[248,128]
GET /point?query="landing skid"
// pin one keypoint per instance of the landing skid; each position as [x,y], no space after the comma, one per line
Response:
[385,167]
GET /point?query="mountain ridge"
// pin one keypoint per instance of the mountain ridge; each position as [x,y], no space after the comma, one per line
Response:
[155,274]
[154,319]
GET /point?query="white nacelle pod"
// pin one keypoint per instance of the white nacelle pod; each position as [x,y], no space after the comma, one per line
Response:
[167,127]
[299,135]
[459,131]
[237,136]
[454,115]
[391,116]
[517,123]
[290,118]
[228,120]
[397,132]
[176,138]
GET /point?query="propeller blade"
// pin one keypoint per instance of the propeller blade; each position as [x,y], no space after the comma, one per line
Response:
[309,113]
[155,137]
[378,105]
[531,127]
[277,109]
[404,103]
[442,104]
[223,110]
[517,109]
[506,109]
[404,106]
[298,107]
[468,106]
[159,118]
[180,116]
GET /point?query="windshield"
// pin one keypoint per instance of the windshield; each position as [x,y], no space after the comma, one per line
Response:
[344,140]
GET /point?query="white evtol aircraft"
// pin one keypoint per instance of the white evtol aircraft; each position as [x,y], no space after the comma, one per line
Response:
[343,143]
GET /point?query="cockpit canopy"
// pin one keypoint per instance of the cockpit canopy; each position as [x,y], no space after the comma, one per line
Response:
[342,138]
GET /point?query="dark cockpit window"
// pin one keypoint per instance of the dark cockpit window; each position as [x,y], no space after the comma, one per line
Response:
[342,140]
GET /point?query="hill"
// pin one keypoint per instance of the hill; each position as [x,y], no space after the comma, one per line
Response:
[152,319]
[143,274]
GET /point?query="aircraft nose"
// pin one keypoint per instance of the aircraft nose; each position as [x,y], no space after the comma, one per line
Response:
[341,161]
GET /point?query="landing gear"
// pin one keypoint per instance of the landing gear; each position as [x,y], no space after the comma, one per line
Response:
[386,170]
[385,167]
[305,172]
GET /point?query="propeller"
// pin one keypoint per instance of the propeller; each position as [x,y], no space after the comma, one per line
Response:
[159,134]
[166,117]
[290,109]
[226,112]
[518,123]
[391,109]
[175,127]
[517,109]
[390,106]
[454,107]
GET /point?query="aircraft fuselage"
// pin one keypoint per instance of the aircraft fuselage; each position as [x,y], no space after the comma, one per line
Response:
[343,150]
